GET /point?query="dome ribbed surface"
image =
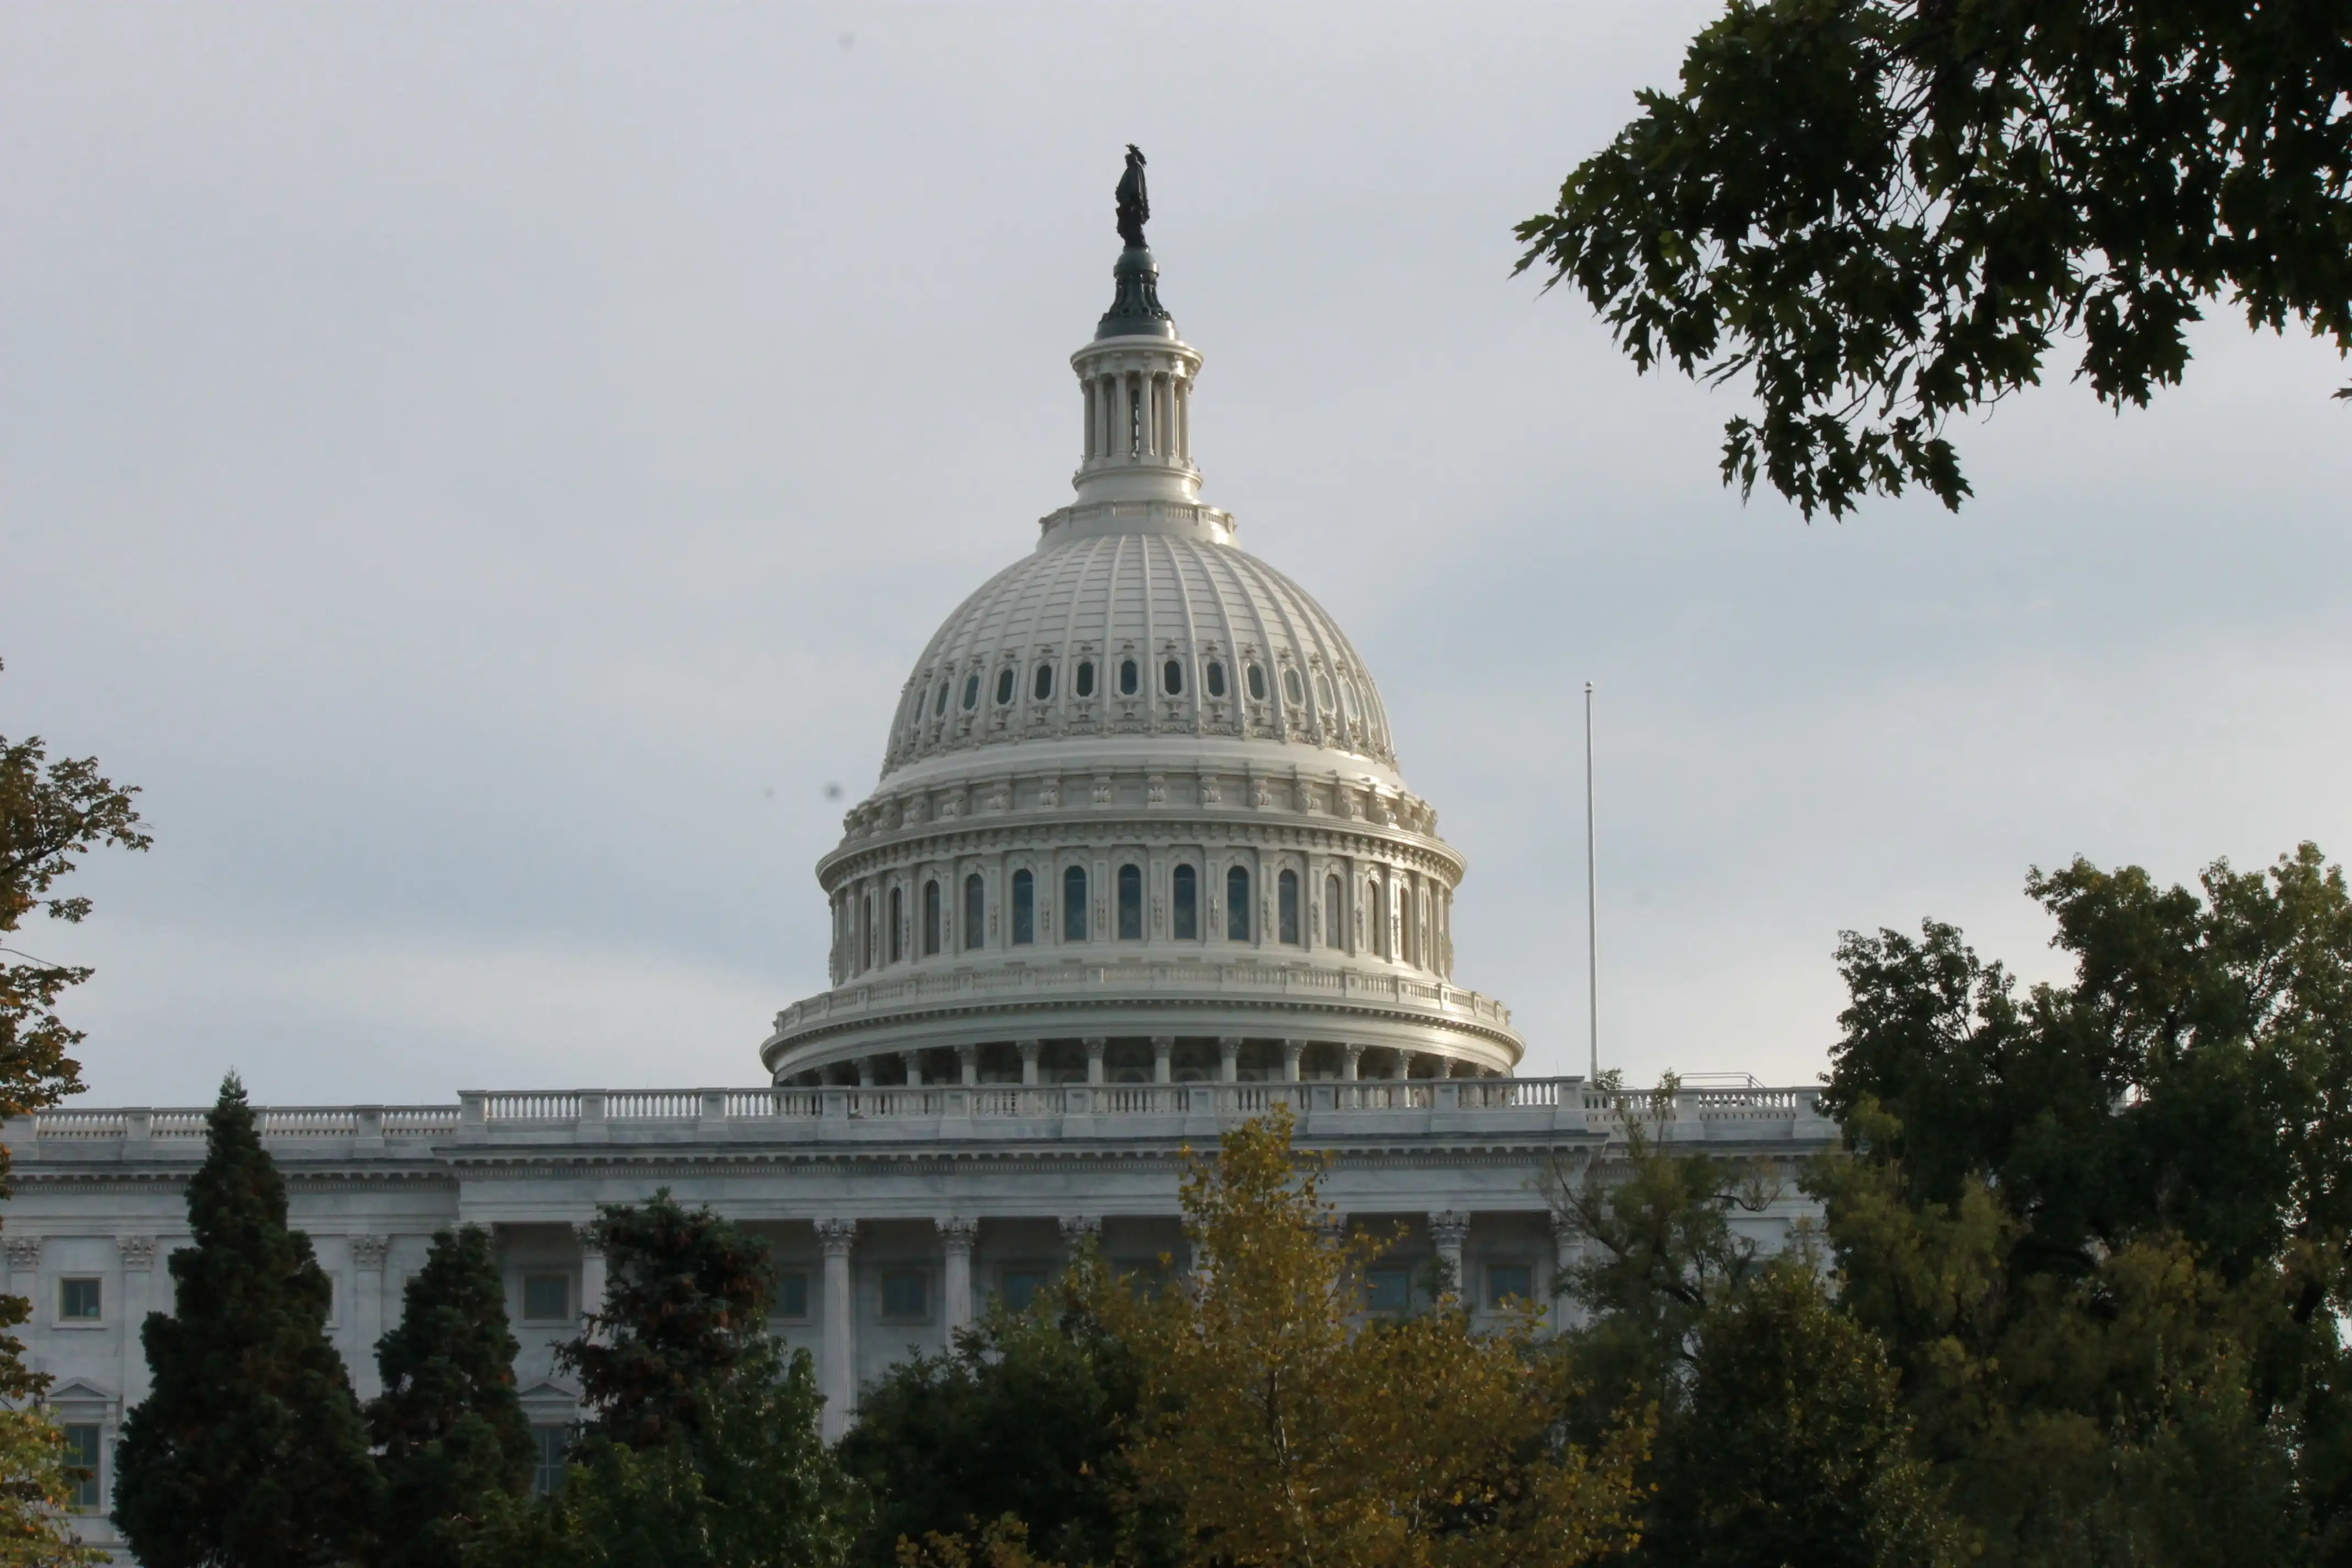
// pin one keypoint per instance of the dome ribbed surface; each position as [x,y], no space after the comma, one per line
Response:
[1254,656]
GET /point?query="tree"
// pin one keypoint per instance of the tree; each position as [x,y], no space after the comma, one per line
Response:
[449,1432]
[1026,1416]
[251,1448]
[37,1474]
[687,1299]
[702,1449]
[51,813]
[1881,213]
[1286,1431]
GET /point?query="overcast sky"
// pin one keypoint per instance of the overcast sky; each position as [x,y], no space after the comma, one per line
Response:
[485,471]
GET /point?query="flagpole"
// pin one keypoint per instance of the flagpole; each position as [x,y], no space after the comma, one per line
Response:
[1591,896]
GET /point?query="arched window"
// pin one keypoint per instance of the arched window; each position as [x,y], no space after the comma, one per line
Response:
[897,922]
[1130,903]
[1043,685]
[1073,904]
[972,692]
[865,926]
[1184,893]
[939,699]
[1085,682]
[1410,939]
[975,910]
[1025,909]
[1376,905]
[931,917]
[1214,678]
[1005,686]
[1293,691]
[1130,677]
[1333,932]
[1237,904]
[1285,908]
[1171,677]
[1257,682]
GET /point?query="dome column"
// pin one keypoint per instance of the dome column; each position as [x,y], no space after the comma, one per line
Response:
[1030,1050]
[1350,1056]
[1292,1050]
[956,1238]
[1097,1045]
[1229,1058]
[1163,1059]
[968,1058]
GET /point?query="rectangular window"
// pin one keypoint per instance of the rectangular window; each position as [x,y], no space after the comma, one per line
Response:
[1130,903]
[975,910]
[83,1454]
[1237,905]
[1186,896]
[79,1300]
[1025,909]
[548,1444]
[547,1298]
[1019,1287]
[1287,908]
[1389,1289]
[1510,1284]
[905,1295]
[791,1294]
[930,920]
[1075,924]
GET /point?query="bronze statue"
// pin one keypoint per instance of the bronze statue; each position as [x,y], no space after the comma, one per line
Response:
[1134,202]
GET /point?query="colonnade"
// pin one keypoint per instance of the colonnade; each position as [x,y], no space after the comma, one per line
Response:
[1042,1062]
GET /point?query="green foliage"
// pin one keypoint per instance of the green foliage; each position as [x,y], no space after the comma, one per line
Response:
[250,1449]
[51,813]
[1027,1416]
[702,1450]
[1882,212]
[449,1432]
[686,1300]
[36,1482]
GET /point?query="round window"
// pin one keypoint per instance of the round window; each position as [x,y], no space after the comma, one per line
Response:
[1171,677]
[1214,676]
[1005,686]
[1257,682]
[1294,689]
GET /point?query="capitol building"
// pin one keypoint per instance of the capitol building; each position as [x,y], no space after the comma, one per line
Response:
[1141,863]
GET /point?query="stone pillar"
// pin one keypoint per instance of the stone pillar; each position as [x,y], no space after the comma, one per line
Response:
[1292,1050]
[1163,1059]
[138,1254]
[914,1061]
[1351,1060]
[1029,1052]
[367,1310]
[957,1235]
[1078,1229]
[1229,1058]
[835,1374]
[25,1270]
[592,1272]
[968,1057]
[866,1072]
[1448,1229]
[1404,1065]
[1096,1046]
[1567,1250]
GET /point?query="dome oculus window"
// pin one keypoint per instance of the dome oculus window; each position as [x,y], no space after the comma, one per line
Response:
[1171,677]
[1293,691]
[1042,687]
[1130,677]
[1214,678]
[1256,677]
[972,692]
[1085,679]
[1005,686]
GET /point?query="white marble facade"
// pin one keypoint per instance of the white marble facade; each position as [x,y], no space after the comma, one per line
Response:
[1140,865]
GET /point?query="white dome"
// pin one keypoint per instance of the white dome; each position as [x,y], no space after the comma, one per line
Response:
[1137,618]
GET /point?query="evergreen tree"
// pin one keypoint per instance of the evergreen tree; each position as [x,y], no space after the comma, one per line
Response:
[251,1449]
[687,1299]
[448,1428]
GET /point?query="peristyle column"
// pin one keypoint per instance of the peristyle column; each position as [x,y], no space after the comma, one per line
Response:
[1029,1050]
[1097,1045]
[956,1237]
[367,1308]
[1163,1059]
[834,1379]
[1229,1058]
[1448,1229]
[592,1272]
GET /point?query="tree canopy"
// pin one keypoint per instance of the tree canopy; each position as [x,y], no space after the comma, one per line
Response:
[1879,214]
